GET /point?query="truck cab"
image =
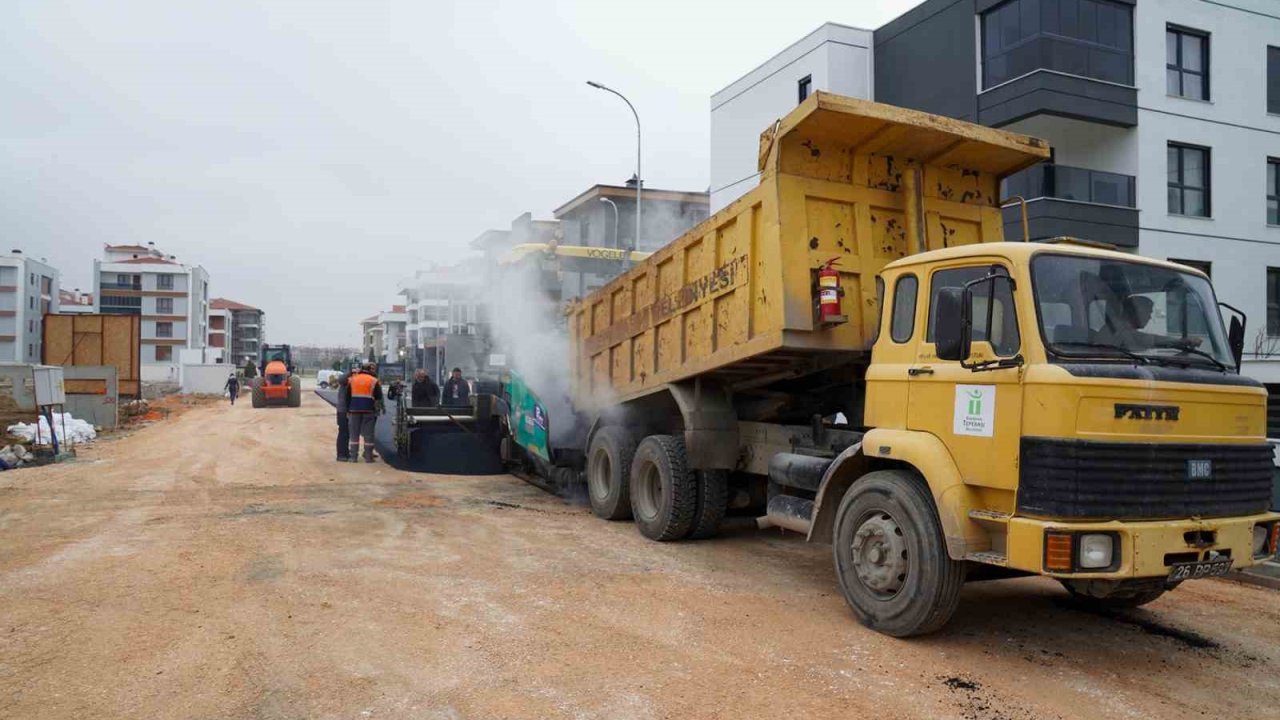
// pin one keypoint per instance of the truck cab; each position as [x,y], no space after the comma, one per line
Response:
[1074,412]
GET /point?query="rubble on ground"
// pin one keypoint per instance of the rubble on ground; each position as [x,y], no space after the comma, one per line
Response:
[67,427]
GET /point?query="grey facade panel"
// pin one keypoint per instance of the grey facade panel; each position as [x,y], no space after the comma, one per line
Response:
[927,59]
[1050,218]
[1050,93]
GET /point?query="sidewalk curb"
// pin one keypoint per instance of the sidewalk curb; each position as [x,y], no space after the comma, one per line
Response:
[1245,577]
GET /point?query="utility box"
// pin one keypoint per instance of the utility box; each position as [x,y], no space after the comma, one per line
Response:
[49,388]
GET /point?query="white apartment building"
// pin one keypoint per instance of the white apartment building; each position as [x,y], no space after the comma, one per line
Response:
[172,298]
[384,335]
[1164,117]
[835,58]
[238,328]
[28,291]
[445,312]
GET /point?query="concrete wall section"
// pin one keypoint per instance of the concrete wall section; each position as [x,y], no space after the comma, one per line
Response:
[205,379]
[927,59]
[93,394]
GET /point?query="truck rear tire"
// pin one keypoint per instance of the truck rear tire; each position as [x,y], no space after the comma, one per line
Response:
[295,391]
[664,492]
[609,472]
[712,502]
[891,558]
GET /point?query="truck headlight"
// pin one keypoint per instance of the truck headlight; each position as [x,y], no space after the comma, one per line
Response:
[1261,541]
[1096,551]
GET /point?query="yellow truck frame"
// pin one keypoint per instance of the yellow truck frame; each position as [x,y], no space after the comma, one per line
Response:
[934,430]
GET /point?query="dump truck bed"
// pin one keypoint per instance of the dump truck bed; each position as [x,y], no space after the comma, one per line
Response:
[733,299]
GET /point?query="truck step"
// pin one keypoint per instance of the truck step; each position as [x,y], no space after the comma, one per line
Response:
[987,557]
[994,516]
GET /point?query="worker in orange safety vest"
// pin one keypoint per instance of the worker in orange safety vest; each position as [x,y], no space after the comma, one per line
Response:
[363,408]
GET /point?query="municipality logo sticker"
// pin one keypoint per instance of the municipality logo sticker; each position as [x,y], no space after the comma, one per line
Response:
[975,410]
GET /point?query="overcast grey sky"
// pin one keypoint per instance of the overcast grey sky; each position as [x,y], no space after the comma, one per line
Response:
[311,153]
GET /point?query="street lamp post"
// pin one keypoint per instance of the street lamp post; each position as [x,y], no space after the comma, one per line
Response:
[613,205]
[639,181]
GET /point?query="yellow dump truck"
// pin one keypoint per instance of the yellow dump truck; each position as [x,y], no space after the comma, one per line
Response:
[853,349]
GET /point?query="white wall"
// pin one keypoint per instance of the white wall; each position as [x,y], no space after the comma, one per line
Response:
[1235,125]
[205,378]
[838,58]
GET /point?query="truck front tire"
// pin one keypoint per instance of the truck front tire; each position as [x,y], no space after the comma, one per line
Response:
[609,471]
[664,492]
[295,391]
[891,558]
[257,394]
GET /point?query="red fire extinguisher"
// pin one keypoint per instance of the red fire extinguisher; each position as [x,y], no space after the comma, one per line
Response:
[829,293]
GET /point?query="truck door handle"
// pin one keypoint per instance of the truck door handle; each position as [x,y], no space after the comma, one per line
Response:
[926,370]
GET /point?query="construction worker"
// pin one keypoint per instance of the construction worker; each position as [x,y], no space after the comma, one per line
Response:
[232,387]
[425,392]
[344,435]
[456,390]
[363,405]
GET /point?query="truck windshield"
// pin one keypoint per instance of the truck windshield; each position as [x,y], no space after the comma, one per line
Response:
[1105,309]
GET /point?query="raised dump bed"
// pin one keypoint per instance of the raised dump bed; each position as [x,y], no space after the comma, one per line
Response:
[735,298]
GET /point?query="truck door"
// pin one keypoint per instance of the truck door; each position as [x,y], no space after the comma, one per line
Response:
[977,414]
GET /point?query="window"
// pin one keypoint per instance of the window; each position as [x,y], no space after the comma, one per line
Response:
[31,302]
[1188,180]
[164,353]
[1089,38]
[1186,63]
[1273,301]
[879,304]
[164,329]
[1203,266]
[1273,191]
[164,282]
[994,318]
[1273,80]
[164,306]
[803,87]
[584,232]
[903,322]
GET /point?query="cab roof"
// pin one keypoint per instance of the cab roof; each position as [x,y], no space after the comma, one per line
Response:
[1022,252]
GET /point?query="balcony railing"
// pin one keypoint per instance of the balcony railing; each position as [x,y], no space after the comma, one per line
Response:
[1050,180]
[121,286]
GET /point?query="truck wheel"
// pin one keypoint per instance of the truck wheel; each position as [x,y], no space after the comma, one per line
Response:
[609,472]
[712,502]
[295,391]
[664,492]
[258,394]
[1119,601]
[891,558]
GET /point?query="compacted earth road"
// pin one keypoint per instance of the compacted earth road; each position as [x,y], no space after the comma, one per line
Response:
[220,564]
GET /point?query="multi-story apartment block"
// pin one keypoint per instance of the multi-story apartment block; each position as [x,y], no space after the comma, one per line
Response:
[384,335]
[445,312]
[1164,116]
[28,292]
[172,298]
[237,327]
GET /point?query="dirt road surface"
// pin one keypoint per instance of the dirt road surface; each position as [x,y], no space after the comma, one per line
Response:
[222,565]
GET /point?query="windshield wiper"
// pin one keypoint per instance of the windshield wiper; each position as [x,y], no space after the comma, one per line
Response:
[1196,351]
[1055,348]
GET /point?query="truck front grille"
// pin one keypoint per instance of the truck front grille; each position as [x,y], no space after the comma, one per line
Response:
[1131,481]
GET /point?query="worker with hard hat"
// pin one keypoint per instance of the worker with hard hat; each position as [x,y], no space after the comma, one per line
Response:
[364,403]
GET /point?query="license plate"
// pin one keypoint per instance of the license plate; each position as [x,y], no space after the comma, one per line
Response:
[1194,570]
[1199,469]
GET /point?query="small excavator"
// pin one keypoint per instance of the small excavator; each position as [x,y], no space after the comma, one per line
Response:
[277,383]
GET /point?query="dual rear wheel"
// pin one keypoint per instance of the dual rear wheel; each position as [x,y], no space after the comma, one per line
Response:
[650,482]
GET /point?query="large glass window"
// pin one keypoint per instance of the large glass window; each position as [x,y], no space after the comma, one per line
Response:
[1273,302]
[903,322]
[1090,38]
[164,329]
[164,306]
[1104,309]
[1186,63]
[164,282]
[1273,191]
[1188,180]
[994,318]
[1273,80]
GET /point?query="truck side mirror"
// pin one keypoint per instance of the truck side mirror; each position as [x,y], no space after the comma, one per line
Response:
[1235,338]
[951,336]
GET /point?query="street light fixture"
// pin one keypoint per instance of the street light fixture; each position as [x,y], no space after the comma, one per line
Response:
[639,181]
[613,205]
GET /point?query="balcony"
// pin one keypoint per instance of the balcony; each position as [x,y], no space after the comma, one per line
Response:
[1077,202]
[122,286]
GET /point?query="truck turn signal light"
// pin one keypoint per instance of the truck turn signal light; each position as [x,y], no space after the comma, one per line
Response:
[1058,548]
